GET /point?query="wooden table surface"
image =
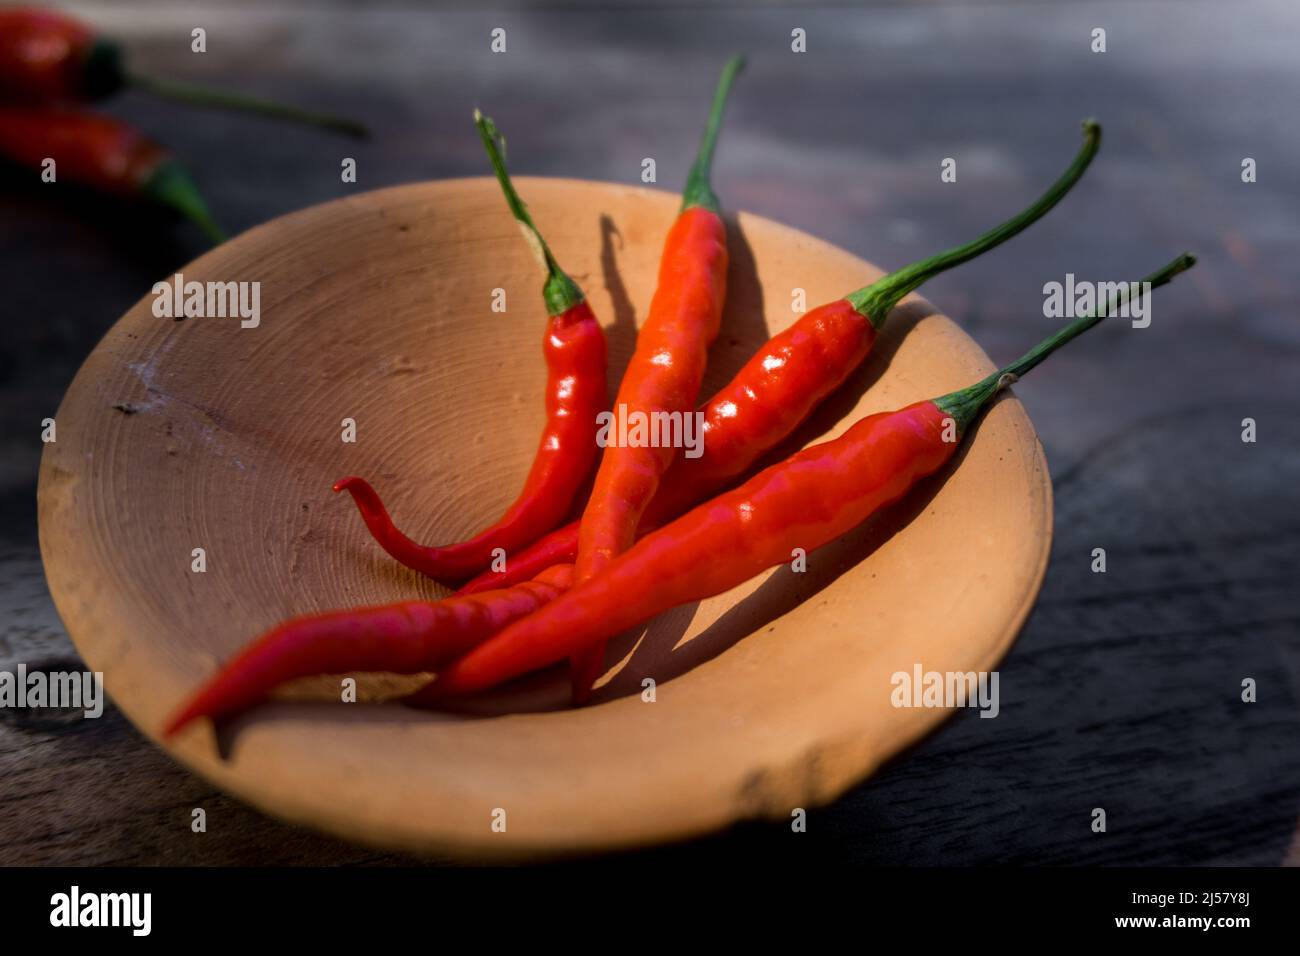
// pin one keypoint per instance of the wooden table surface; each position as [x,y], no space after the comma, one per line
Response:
[1124,689]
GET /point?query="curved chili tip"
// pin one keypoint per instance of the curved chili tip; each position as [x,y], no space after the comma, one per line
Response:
[385,532]
[191,713]
[445,565]
[224,694]
[347,484]
[368,502]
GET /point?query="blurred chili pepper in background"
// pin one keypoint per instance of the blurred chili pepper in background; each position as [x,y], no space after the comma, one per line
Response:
[47,57]
[104,154]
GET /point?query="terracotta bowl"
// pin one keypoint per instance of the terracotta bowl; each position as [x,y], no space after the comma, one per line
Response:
[201,433]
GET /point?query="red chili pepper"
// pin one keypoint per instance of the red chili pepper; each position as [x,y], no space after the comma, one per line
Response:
[558,547]
[574,347]
[785,380]
[105,154]
[410,637]
[803,502]
[47,57]
[665,371]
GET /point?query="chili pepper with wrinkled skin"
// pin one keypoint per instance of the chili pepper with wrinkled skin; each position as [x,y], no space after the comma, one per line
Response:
[665,371]
[47,57]
[104,154]
[409,637]
[803,502]
[574,347]
[783,382]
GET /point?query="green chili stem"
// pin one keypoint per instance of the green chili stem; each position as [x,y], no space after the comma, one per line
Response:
[560,292]
[963,405]
[171,186]
[203,96]
[698,190]
[877,300]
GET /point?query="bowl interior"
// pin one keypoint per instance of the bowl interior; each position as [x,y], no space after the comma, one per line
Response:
[379,311]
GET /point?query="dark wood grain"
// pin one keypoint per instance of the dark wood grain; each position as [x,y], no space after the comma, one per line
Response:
[1123,691]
